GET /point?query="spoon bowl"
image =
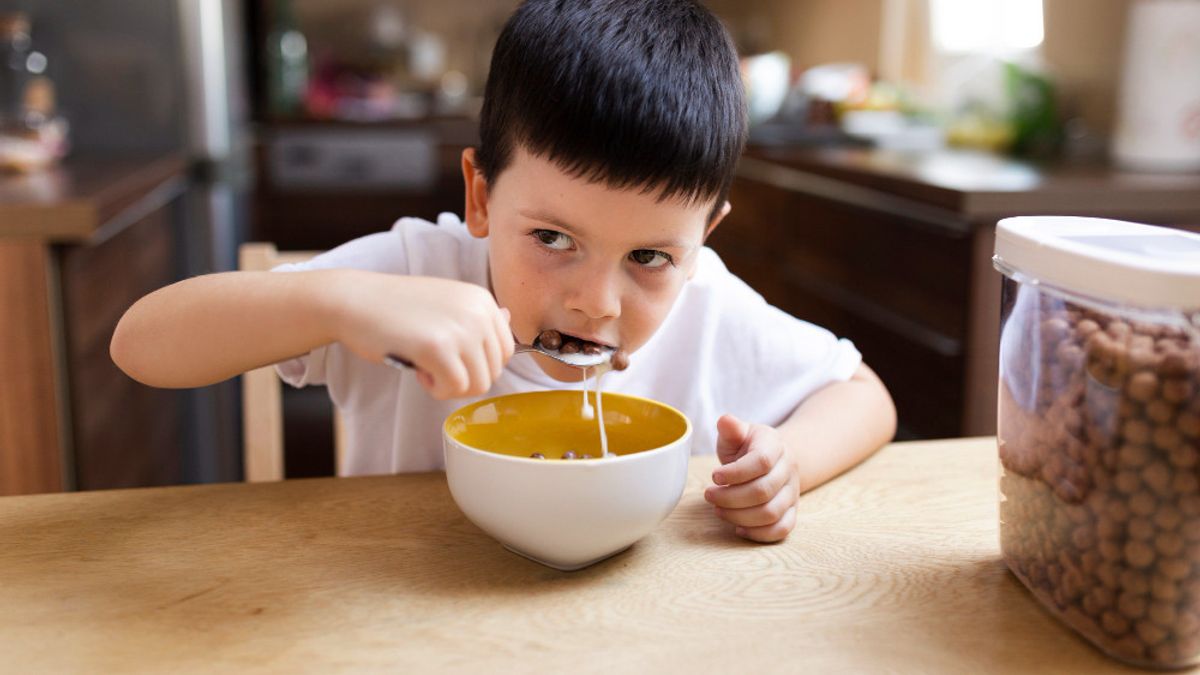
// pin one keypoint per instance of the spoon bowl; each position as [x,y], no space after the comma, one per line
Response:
[575,359]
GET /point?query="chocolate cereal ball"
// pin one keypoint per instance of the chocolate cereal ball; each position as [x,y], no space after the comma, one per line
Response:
[1099,438]
[550,339]
[620,360]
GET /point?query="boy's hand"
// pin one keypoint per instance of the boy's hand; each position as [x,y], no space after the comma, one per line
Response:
[452,331]
[756,485]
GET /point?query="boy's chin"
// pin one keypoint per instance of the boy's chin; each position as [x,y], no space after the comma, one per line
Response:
[559,371]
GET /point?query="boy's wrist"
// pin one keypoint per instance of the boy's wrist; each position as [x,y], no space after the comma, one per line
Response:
[792,456]
[328,291]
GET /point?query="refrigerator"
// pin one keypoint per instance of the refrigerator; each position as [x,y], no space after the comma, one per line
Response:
[144,77]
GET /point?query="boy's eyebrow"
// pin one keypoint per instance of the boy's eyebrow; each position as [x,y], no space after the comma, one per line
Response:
[546,218]
[551,220]
[667,244]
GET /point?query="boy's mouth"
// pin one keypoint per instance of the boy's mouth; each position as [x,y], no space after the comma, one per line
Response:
[584,339]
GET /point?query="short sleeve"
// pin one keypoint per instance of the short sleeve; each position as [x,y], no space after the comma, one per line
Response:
[412,246]
[770,361]
[381,252]
[793,358]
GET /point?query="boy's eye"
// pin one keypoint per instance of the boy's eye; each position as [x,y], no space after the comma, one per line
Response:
[552,239]
[651,258]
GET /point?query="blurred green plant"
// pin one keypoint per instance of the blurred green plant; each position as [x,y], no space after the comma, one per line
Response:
[1037,128]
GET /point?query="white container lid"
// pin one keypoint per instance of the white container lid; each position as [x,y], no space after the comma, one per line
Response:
[1110,260]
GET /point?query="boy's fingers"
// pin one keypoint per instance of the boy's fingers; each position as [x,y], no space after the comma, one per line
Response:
[753,493]
[505,336]
[495,359]
[777,531]
[731,437]
[426,380]
[478,369]
[450,376]
[761,456]
[762,514]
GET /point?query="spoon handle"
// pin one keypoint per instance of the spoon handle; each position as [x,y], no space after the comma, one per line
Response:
[398,362]
[401,363]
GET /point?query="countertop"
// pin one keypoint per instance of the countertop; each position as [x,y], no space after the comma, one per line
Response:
[86,199]
[893,567]
[978,186]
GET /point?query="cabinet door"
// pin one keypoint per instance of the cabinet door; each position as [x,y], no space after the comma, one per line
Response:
[322,206]
[30,452]
[895,284]
[124,434]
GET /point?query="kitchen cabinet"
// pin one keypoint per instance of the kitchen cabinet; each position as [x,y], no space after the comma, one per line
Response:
[79,244]
[893,251]
[320,184]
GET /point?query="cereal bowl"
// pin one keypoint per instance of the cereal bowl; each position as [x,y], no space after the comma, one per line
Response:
[566,513]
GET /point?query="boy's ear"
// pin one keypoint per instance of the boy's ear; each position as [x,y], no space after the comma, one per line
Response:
[725,209]
[475,210]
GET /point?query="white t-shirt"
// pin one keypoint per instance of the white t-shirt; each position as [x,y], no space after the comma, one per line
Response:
[721,349]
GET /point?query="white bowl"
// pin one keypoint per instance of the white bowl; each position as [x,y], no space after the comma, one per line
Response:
[566,514]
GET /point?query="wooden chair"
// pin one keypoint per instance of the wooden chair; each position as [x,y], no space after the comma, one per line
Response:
[262,394]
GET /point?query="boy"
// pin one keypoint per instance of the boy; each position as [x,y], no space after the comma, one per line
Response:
[608,138]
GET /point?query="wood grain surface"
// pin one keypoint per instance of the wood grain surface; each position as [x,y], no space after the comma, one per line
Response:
[981,188]
[75,201]
[894,567]
[30,436]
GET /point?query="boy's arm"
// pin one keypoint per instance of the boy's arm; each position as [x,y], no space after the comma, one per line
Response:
[838,427]
[213,327]
[764,470]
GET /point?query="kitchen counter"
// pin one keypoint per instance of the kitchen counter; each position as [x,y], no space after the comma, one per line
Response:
[979,188]
[893,251]
[86,199]
[80,243]
[893,567]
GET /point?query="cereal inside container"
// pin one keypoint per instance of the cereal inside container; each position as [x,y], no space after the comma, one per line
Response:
[1099,429]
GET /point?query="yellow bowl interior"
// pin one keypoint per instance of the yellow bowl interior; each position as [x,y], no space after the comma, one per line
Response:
[552,422]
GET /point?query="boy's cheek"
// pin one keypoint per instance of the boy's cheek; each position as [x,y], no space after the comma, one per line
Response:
[523,326]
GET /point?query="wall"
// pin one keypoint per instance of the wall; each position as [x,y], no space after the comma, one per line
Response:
[821,31]
[1084,48]
[470,27]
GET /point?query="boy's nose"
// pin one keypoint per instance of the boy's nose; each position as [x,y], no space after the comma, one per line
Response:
[596,294]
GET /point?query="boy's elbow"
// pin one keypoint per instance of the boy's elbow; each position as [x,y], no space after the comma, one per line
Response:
[118,348]
[884,406]
[123,351]
[890,417]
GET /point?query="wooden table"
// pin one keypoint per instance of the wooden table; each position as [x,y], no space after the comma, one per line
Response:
[894,567]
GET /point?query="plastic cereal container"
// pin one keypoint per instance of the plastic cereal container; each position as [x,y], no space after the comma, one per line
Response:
[1099,429]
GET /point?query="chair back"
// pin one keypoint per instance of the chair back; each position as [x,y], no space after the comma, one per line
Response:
[262,390]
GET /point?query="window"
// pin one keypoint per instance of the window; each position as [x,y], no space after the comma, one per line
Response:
[986,26]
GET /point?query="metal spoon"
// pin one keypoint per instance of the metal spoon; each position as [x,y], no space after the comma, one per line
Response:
[576,360]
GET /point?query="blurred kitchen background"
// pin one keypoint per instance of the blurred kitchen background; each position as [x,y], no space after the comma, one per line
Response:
[144,140]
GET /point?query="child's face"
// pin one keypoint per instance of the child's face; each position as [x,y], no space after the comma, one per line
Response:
[582,258]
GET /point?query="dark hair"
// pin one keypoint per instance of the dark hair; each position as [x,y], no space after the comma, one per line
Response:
[633,93]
